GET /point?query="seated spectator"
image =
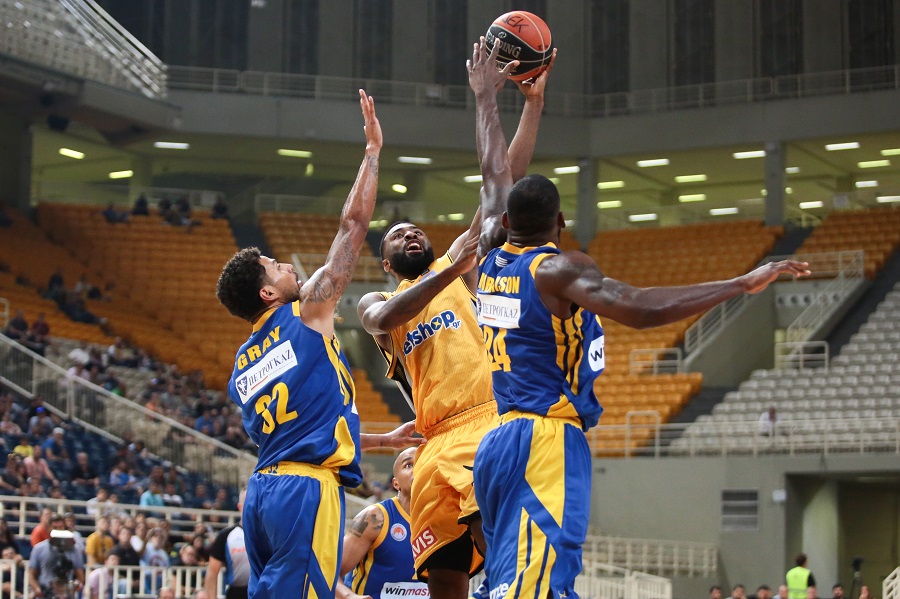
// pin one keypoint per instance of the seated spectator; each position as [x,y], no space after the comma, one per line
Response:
[75,309]
[187,556]
[763,592]
[99,543]
[120,477]
[204,422]
[24,448]
[41,425]
[114,216]
[220,209]
[17,327]
[201,550]
[38,468]
[11,479]
[155,557]
[56,282]
[80,354]
[201,499]
[767,422]
[141,206]
[79,371]
[125,550]
[119,354]
[152,496]
[83,473]
[222,501]
[170,496]
[9,427]
[33,490]
[39,335]
[71,527]
[7,538]
[6,578]
[99,584]
[97,505]
[54,447]
[164,206]
[41,532]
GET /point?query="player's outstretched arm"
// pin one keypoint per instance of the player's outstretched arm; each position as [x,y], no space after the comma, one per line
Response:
[379,316]
[320,294]
[496,175]
[360,537]
[574,278]
[521,148]
[399,438]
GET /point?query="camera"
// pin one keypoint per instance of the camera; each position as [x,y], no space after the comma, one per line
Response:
[61,542]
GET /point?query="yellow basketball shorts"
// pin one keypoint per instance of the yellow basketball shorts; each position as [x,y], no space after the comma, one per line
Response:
[443,496]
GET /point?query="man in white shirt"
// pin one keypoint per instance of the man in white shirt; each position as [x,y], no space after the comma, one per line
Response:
[767,421]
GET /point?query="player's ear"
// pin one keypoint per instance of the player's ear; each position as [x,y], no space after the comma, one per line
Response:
[268,293]
[504,220]
[386,265]
[395,483]
[561,220]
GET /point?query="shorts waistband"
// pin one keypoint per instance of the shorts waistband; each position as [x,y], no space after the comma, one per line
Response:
[320,473]
[516,415]
[463,417]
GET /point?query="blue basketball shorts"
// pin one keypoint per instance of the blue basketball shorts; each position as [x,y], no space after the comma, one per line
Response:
[293,529]
[533,484]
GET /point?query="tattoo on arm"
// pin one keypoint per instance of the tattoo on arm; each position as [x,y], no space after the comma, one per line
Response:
[372,161]
[358,526]
[361,523]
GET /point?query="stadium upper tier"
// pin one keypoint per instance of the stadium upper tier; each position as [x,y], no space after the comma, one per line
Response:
[877,231]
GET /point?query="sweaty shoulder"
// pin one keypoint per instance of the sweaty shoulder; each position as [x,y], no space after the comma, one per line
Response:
[556,275]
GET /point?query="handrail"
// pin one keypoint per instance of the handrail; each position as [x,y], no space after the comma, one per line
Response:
[665,99]
[890,587]
[712,322]
[67,192]
[850,272]
[653,556]
[656,360]
[800,355]
[628,429]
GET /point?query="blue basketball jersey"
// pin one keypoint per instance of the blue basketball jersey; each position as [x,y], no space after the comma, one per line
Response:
[540,363]
[387,570]
[296,395]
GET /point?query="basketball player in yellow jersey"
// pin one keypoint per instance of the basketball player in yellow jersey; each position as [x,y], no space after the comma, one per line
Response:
[428,332]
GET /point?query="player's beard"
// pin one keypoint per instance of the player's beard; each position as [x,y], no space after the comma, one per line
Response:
[410,267]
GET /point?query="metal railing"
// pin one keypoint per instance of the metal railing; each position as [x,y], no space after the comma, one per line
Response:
[723,93]
[848,268]
[67,192]
[110,415]
[713,321]
[656,360]
[890,587]
[276,202]
[806,354]
[664,558]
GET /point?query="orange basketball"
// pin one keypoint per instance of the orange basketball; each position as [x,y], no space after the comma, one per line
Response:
[524,37]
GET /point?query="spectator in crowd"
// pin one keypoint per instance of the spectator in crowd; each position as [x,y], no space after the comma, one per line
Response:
[782,592]
[166,593]
[41,425]
[201,551]
[37,467]
[80,355]
[837,591]
[99,543]
[170,496]
[41,532]
[155,557]
[7,538]
[99,583]
[9,427]
[83,474]
[738,591]
[97,504]
[204,423]
[222,501]
[55,447]
[114,216]
[152,497]
[33,490]
[202,594]
[201,499]
[187,556]
[220,209]
[141,206]
[77,536]
[24,448]
[39,335]
[56,285]
[120,477]
[715,592]
[11,480]
[78,371]
[864,592]
[767,422]
[6,577]
[763,592]
[17,327]
[124,549]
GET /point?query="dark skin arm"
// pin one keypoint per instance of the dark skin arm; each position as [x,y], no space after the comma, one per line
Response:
[399,438]
[380,316]
[573,279]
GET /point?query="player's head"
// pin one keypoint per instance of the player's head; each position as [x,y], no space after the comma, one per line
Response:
[405,250]
[403,471]
[532,207]
[250,283]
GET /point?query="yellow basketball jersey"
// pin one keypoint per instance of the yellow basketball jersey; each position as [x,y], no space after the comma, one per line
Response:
[442,352]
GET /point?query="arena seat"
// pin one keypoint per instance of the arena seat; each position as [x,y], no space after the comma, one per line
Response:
[876,231]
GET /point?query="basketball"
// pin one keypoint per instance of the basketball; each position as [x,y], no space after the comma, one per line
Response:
[524,37]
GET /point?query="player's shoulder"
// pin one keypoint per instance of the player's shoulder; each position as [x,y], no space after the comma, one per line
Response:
[566,263]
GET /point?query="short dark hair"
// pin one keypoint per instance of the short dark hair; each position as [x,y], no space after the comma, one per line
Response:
[836,585]
[532,205]
[714,587]
[763,587]
[800,559]
[386,231]
[239,284]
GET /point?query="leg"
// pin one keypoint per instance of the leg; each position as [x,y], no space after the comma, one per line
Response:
[447,584]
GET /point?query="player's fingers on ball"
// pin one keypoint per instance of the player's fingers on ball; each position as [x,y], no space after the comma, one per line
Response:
[494,51]
[507,69]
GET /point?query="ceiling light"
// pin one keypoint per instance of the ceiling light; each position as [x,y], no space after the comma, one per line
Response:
[640,218]
[294,153]
[792,170]
[567,170]
[609,204]
[610,184]
[653,162]
[866,184]
[850,145]
[690,178]
[873,163]
[723,211]
[456,216]
[171,145]
[808,205]
[472,178]
[413,159]
[891,152]
[71,153]
[788,190]
[751,201]
[887,199]
[310,169]
[749,154]
[399,188]
[375,224]
[692,197]
[442,217]
[120,174]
